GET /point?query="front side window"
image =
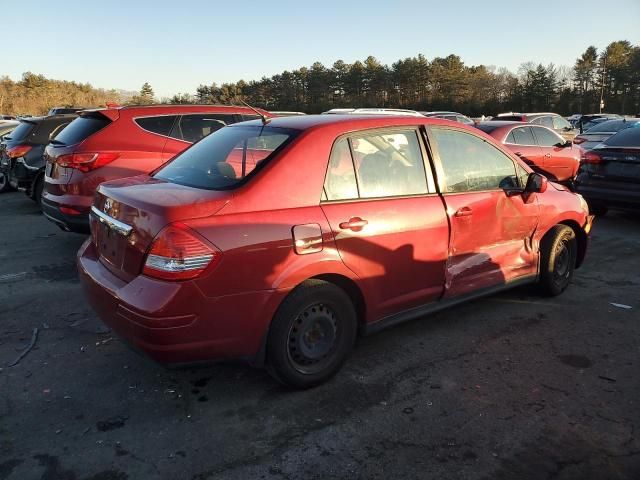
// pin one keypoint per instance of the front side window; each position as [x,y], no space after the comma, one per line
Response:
[546,138]
[192,128]
[522,136]
[224,159]
[560,123]
[544,121]
[389,164]
[471,164]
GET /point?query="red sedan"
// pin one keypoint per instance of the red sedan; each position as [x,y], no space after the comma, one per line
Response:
[540,147]
[278,241]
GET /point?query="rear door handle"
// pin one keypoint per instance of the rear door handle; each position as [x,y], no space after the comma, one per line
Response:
[354,223]
[463,212]
[547,155]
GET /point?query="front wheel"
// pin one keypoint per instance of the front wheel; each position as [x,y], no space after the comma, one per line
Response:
[311,334]
[558,251]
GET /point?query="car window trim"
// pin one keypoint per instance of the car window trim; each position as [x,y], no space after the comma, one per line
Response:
[374,130]
[438,161]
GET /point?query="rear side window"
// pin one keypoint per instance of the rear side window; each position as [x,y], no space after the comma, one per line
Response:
[192,128]
[546,138]
[224,159]
[471,164]
[81,128]
[522,136]
[389,164]
[340,183]
[22,131]
[160,125]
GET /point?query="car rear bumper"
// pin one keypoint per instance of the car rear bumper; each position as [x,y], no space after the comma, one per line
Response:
[610,194]
[174,322]
[72,223]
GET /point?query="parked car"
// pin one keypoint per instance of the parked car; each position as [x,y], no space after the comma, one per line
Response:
[609,176]
[550,120]
[603,130]
[585,122]
[283,113]
[279,242]
[454,116]
[21,159]
[541,148]
[7,117]
[6,127]
[62,110]
[372,111]
[111,143]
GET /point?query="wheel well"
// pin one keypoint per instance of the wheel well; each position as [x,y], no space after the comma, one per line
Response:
[581,239]
[352,289]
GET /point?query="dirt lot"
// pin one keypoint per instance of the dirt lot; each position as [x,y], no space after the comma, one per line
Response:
[515,386]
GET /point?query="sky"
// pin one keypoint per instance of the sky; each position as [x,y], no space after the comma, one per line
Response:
[179,44]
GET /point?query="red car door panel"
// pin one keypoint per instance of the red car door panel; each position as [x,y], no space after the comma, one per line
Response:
[491,230]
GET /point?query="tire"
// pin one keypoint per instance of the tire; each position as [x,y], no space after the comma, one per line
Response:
[558,252]
[37,191]
[4,183]
[311,335]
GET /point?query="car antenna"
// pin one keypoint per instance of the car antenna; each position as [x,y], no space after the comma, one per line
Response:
[264,119]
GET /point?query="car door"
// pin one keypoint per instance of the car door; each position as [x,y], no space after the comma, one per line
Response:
[491,223]
[193,127]
[522,142]
[389,224]
[561,161]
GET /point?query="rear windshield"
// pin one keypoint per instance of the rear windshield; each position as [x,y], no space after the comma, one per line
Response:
[629,137]
[487,128]
[225,158]
[21,132]
[611,126]
[81,128]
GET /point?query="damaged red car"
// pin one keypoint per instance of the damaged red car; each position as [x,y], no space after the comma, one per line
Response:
[280,241]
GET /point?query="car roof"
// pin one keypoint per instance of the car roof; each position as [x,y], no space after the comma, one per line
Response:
[503,123]
[170,108]
[350,121]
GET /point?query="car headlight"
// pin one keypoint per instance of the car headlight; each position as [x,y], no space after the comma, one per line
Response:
[583,203]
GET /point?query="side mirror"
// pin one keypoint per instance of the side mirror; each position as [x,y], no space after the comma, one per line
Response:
[536,183]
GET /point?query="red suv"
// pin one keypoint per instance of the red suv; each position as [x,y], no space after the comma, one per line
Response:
[540,147]
[113,143]
[278,242]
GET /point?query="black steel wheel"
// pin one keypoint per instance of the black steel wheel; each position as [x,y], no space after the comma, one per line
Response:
[558,251]
[311,334]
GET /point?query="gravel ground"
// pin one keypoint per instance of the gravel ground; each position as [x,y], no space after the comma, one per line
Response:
[515,386]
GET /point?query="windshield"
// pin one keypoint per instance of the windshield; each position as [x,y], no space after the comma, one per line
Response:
[225,158]
[611,126]
[487,128]
[80,129]
[21,132]
[629,137]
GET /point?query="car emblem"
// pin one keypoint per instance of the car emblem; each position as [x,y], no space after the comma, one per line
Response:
[108,206]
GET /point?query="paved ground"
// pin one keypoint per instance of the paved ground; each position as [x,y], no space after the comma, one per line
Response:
[511,387]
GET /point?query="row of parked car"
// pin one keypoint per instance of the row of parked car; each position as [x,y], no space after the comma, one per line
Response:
[226,232]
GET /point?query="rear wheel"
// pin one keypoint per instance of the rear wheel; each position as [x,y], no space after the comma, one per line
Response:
[311,334]
[4,183]
[558,251]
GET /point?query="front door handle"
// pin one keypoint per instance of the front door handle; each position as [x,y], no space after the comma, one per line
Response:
[355,223]
[463,212]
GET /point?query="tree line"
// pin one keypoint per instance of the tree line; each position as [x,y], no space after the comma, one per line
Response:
[445,83]
[442,83]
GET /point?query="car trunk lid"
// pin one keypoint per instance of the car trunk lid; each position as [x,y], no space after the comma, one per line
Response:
[143,206]
[616,163]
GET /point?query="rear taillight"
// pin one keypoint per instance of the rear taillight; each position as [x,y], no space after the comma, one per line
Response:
[18,151]
[86,162]
[579,140]
[179,253]
[591,158]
